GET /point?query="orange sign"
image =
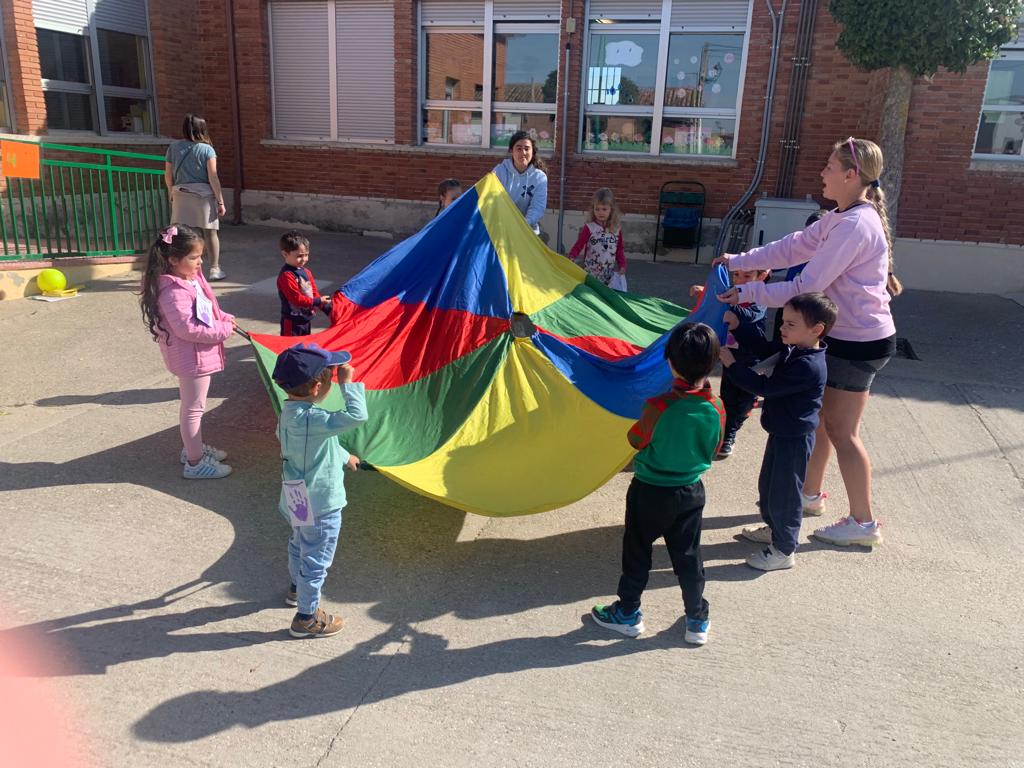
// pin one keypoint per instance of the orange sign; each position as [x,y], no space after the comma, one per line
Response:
[19,160]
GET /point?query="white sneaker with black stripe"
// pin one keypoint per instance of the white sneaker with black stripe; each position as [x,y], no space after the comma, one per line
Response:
[208,468]
[771,559]
[208,450]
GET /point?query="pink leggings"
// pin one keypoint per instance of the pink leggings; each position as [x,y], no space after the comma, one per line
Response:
[193,402]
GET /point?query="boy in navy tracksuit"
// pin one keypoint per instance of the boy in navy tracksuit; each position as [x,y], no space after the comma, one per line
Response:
[792,399]
[296,287]
[739,402]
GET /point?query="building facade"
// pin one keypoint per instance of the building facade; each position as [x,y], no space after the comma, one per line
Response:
[346,113]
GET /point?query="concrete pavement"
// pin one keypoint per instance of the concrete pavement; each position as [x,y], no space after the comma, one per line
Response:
[157,601]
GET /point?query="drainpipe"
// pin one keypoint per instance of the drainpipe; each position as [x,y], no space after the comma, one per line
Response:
[565,139]
[236,117]
[766,125]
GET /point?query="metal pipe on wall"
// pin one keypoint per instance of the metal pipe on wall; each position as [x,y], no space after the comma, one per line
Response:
[790,142]
[236,118]
[565,139]
[766,125]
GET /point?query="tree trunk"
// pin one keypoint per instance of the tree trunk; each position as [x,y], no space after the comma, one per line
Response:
[894,133]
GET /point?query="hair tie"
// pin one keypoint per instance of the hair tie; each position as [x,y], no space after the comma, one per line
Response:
[875,184]
[168,234]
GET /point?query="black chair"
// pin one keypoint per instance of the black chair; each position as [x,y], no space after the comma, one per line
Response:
[680,215]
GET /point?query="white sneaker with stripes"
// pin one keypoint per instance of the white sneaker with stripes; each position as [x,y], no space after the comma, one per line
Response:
[208,450]
[208,468]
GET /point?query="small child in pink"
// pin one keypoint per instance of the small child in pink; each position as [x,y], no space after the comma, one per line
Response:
[184,318]
[599,245]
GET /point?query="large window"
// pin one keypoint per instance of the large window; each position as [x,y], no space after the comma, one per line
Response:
[333,69]
[489,69]
[1001,128]
[667,84]
[94,62]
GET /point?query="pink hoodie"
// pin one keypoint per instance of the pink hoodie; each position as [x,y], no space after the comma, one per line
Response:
[194,349]
[847,259]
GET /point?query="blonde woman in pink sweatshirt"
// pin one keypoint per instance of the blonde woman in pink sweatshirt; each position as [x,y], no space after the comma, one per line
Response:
[849,258]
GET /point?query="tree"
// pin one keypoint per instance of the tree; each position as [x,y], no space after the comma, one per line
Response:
[914,38]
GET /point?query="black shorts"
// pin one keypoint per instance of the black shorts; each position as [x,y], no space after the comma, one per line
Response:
[852,365]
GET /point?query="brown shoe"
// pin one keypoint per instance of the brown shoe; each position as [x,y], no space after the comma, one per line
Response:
[322,624]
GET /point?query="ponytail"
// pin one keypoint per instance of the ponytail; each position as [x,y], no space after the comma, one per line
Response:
[877,199]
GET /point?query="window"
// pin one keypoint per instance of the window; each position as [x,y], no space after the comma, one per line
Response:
[95,67]
[664,86]
[489,69]
[1001,127]
[333,70]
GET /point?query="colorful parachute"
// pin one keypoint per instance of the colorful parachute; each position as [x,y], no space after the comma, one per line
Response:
[501,379]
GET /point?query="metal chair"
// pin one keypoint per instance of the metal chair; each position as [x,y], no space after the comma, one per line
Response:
[681,229]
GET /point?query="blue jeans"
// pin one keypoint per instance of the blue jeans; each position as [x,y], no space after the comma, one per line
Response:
[310,553]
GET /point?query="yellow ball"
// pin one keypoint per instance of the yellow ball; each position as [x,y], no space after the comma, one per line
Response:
[51,280]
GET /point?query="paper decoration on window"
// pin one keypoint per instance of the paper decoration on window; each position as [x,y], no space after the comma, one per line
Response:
[693,59]
[716,88]
[624,52]
[680,75]
[729,58]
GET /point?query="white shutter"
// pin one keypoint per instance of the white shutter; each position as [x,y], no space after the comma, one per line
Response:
[366,70]
[527,10]
[624,10]
[725,14]
[299,37]
[64,15]
[121,16]
[452,12]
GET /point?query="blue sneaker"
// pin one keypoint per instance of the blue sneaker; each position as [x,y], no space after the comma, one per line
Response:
[611,617]
[696,631]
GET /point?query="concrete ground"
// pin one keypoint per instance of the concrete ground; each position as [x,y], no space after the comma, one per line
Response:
[155,603]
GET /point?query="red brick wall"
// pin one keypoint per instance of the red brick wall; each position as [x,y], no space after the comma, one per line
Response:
[23,66]
[943,198]
[177,62]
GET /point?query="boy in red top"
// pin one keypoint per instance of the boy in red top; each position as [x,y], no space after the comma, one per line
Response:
[677,436]
[297,288]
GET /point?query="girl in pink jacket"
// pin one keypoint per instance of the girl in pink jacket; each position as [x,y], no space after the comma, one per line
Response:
[184,318]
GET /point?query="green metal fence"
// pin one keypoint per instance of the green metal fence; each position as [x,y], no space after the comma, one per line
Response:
[87,202]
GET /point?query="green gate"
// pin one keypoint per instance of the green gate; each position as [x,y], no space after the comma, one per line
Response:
[86,202]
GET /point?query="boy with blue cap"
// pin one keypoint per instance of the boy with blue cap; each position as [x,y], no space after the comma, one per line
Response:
[312,479]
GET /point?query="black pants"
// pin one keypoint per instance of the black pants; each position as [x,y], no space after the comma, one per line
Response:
[780,485]
[292,325]
[738,404]
[654,512]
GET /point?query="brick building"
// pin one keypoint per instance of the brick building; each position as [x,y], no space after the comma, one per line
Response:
[346,113]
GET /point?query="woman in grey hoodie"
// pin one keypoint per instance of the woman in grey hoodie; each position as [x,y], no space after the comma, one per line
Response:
[523,177]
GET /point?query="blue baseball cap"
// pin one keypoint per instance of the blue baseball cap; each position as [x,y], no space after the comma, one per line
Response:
[304,362]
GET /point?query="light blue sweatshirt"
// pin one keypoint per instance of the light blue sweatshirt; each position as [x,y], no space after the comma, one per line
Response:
[528,190]
[310,449]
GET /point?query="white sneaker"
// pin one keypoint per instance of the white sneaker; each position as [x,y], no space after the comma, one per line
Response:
[216,273]
[771,559]
[847,531]
[759,534]
[208,450]
[208,468]
[814,506]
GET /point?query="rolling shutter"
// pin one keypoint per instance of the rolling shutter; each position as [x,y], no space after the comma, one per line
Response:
[301,65]
[366,69]
[724,14]
[121,16]
[65,15]
[452,12]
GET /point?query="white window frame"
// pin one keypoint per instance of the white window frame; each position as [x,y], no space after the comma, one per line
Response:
[1012,52]
[95,88]
[658,111]
[486,106]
